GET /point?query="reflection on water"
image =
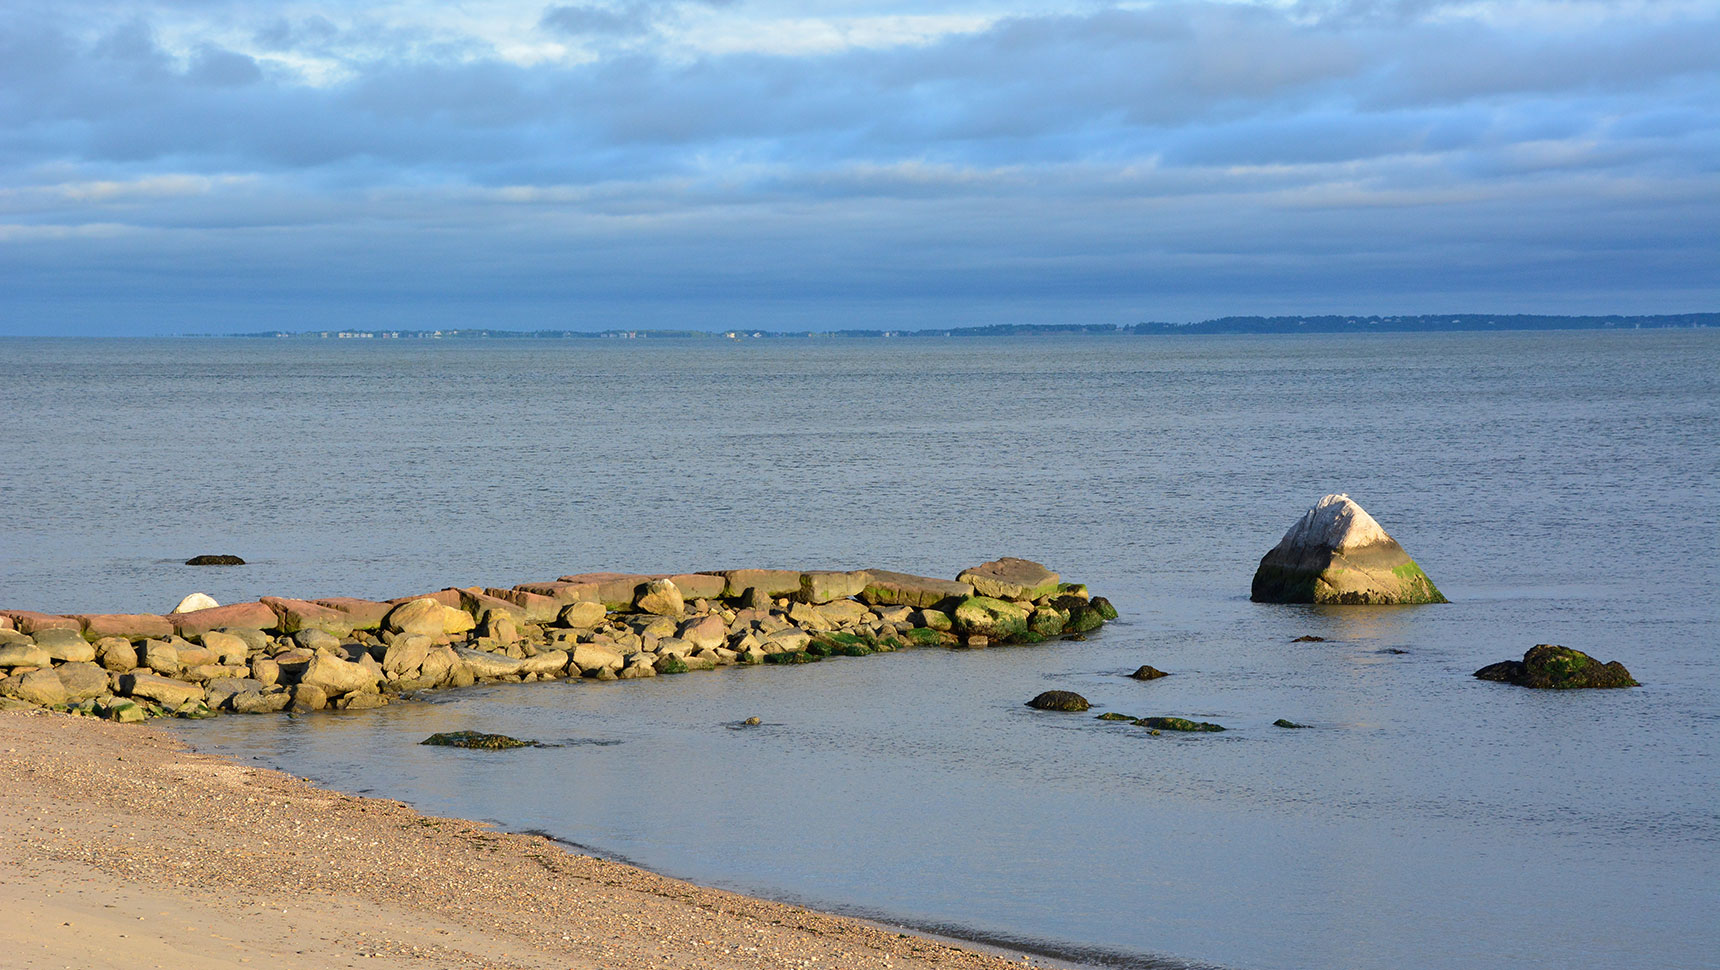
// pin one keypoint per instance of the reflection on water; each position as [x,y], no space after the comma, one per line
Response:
[1426,820]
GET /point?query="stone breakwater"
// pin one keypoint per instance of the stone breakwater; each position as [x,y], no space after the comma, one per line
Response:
[280,654]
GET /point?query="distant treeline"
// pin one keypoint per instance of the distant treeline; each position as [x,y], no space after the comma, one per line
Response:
[1425,323]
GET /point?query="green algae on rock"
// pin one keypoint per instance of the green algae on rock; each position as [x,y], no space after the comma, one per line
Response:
[1114,716]
[1337,554]
[1059,700]
[1178,724]
[1548,666]
[476,739]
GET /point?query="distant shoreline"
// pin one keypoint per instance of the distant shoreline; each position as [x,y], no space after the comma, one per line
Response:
[1327,324]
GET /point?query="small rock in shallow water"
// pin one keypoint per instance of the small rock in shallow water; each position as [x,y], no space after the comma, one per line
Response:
[476,739]
[752,721]
[1114,716]
[214,561]
[1148,672]
[1309,638]
[1286,723]
[1177,724]
[1059,700]
[1552,667]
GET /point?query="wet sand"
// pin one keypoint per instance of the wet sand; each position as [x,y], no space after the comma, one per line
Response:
[120,847]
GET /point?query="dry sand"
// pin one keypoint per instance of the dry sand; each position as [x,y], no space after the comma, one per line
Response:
[120,847]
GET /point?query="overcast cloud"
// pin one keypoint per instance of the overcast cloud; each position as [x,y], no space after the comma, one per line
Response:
[231,166]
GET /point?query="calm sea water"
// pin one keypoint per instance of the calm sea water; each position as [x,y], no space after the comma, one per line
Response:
[1558,487]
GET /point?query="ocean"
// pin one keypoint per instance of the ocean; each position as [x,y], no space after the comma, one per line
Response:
[1559,487]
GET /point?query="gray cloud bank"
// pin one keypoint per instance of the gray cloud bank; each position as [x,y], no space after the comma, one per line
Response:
[166,171]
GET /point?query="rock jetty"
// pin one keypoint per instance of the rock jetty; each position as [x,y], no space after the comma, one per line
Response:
[284,654]
[1337,553]
[1549,666]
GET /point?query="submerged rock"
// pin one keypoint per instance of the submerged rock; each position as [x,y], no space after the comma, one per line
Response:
[1059,700]
[1287,723]
[1337,553]
[476,739]
[1551,667]
[1178,724]
[214,561]
[1309,638]
[1114,716]
[1148,672]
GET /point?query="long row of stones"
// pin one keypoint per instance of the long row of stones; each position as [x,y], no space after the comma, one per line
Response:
[280,654]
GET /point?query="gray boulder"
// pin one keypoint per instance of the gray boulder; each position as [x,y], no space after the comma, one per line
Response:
[1336,553]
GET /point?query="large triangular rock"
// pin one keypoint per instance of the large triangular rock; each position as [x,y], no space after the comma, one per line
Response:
[1337,553]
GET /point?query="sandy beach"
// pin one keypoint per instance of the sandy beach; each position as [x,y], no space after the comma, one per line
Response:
[123,848]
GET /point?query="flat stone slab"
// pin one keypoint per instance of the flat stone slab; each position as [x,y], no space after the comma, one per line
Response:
[296,615]
[887,588]
[535,607]
[614,590]
[252,616]
[449,597]
[132,626]
[364,614]
[1011,579]
[770,582]
[27,621]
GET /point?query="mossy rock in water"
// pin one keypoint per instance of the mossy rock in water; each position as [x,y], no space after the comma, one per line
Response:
[1059,700]
[1177,724]
[1548,666]
[1114,716]
[925,636]
[476,739]
[1287,723]
[1309,638]
[1103,607]
[671,664]
[1083,619]
[994,619]
[1148,672]
[792,657]
[214,561]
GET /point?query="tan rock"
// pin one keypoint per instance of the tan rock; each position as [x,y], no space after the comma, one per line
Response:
[706,631]
[336,675]
[116,654]
[40,687]
[769,582]
[483,664]
[822,586]
[406,654]
[439,664]
[790,640]
[845,612]
[583,616]
[159,656]
[309,697]
[167,692]
[265,671]
[228,648]
[260,702]
[590,658]
[427,617]
[532,607]
[550,663]
[662,597]
[24,655]
[1010,578]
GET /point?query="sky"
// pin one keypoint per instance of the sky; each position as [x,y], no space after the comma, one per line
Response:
[193,166]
